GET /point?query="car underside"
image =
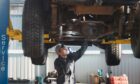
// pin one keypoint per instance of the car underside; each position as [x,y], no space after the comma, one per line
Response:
[71,22]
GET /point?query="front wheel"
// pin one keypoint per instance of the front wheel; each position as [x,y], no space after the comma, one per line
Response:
[34,27]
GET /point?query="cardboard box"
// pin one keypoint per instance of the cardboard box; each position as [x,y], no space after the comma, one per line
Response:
[94,79]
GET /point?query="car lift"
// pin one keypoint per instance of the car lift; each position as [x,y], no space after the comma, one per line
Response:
[4,40]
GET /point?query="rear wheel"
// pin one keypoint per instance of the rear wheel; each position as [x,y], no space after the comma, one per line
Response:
[34,26]
[135,34]
[113,54]
[135,42]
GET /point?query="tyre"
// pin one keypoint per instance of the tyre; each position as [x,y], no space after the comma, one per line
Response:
[135,34]
[34,25]
[39,60]
[113,54]
[135,42]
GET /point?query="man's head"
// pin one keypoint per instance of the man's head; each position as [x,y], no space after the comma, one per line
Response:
[61,50]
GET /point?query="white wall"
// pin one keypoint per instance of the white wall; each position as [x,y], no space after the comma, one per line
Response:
[20,67]
[89,64]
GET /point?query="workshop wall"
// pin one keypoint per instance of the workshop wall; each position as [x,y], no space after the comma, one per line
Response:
[90,63]
[20,67]
[16,21]
[130,66]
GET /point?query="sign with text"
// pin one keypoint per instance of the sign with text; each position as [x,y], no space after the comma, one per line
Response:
[4,21]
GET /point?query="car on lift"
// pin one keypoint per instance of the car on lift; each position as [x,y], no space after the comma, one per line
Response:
[49,22]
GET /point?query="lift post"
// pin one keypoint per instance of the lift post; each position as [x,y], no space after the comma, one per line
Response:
[4,18]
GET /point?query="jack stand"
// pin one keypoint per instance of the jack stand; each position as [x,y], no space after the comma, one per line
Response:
[4,22]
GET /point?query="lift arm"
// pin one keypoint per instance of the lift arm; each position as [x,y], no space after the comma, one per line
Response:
[16,34]
[13,34]
[120,41]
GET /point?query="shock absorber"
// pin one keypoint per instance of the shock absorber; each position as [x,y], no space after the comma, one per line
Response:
[60,32]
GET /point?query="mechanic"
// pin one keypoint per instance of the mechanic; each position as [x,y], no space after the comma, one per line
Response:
[65,63]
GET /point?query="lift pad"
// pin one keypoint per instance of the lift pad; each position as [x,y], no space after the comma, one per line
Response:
[4,17]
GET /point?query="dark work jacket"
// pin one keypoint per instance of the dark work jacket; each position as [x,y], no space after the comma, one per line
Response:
[66,67]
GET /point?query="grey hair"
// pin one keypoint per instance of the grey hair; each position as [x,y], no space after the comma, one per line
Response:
[57,48]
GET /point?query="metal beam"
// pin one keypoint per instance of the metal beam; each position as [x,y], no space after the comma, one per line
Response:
[97,10]
[119,41]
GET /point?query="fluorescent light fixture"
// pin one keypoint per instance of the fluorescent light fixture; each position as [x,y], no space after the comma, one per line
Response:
[127,52]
